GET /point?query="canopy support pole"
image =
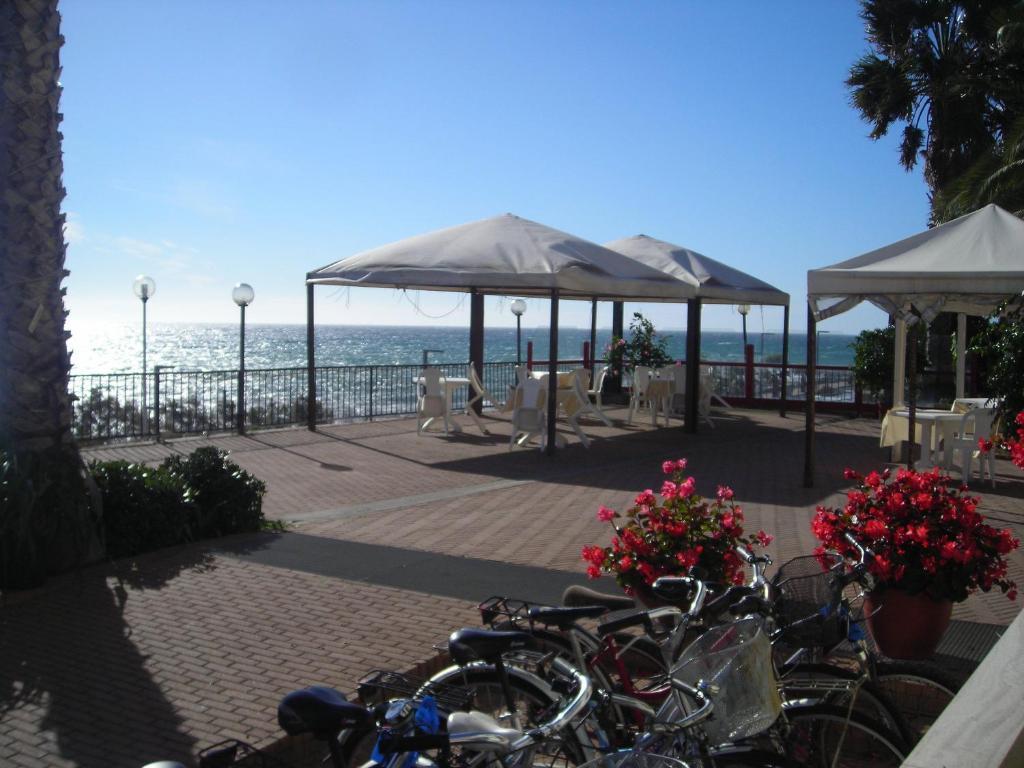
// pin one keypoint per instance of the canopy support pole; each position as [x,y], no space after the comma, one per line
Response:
[899,373]
[593,340]
[552,373]
[692,364]
[476,343]
[785,359]
[310,362]
[912,419]
[812,365]
[961,354]
[618,331]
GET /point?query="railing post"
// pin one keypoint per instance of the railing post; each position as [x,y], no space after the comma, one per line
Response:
[858,396]
[156,400]
[748,372]
[370,414]
[529,355]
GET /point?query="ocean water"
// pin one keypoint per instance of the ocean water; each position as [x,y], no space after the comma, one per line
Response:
[210,347]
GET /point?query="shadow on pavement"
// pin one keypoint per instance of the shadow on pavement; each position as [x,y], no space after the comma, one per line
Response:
[71,674]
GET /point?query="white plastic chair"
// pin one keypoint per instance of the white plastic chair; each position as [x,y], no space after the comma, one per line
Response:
[707,374]
[433,401]
[481,394]
[595,391]
[975,425]
[638,396]
[678,376]
[529,417]
[585,406]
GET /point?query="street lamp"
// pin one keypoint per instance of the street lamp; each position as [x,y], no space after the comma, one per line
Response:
[243,295]
[144,287]
[518,308]
[744,310]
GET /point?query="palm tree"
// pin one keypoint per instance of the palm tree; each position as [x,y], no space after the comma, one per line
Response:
[43,520]
[997,177]
[941,69]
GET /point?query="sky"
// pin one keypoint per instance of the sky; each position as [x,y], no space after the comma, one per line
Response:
[210,142]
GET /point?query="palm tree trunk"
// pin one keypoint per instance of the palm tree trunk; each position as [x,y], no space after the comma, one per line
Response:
[35,407]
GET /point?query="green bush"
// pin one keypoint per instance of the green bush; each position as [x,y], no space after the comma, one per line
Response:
[143,508]
[186,498]
[227,499]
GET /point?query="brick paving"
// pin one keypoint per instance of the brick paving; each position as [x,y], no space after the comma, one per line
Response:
[123,663]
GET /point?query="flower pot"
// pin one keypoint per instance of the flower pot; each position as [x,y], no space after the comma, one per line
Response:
[906,626]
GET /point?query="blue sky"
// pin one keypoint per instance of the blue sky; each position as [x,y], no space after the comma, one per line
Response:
[208,143]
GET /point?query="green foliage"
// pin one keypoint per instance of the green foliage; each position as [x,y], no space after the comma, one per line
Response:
[948,73]
[997,177]
[644,347]
[1000,346]
[873,360]
[21,562]
[186,498]
[226,497]
[874,355]
[144,508]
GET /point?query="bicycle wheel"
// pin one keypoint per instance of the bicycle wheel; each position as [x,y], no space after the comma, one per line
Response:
[919,690]
[823,736]
[533,704]
[825,683]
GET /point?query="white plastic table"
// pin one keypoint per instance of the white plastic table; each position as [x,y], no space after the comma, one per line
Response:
[895,427]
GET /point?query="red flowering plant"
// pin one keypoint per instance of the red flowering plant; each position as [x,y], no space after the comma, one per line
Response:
[926,533]
[1015,446]
[667,534]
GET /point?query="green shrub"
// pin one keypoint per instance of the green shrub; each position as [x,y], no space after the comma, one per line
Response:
[227,499]
[143,508]
[186,498]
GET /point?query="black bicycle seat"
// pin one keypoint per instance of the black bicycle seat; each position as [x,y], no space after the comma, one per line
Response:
[321,711]
[468,644]
[564,618]
[577,596]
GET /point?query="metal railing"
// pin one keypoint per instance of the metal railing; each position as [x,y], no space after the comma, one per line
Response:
[110,406]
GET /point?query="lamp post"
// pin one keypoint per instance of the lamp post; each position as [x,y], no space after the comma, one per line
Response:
[518,308]
[144,287]
[243,296]
[744,310]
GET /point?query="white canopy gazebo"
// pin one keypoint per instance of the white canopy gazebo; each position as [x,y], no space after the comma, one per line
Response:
[714,283]
[968,266]
[501,255]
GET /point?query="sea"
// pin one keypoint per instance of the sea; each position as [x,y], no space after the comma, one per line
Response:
[215,347]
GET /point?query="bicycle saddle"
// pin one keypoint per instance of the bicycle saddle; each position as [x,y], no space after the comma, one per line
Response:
[564,618]
[578,596]
[468,644]
[321,711]
[485,733]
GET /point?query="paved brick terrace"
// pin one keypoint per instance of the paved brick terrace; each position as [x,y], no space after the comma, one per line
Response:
[393,539]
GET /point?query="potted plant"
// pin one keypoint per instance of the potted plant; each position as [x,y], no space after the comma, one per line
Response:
[932,548]
[668,533]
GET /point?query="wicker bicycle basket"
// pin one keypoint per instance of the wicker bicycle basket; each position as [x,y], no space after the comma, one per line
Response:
[736,660]
[809,600]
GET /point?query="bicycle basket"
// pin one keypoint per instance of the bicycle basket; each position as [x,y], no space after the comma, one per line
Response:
[808,603]
[631,759]
[736,661]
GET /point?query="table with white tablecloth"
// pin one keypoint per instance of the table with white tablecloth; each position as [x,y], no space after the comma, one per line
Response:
[927,430]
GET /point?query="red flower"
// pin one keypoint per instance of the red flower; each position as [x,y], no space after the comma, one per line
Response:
[670,535]
[924,530]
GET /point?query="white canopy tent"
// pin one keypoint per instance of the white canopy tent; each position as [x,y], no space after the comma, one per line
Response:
[714,283]
[968,266]
[500,255]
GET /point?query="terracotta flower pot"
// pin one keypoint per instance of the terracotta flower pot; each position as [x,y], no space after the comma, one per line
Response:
[906,626]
